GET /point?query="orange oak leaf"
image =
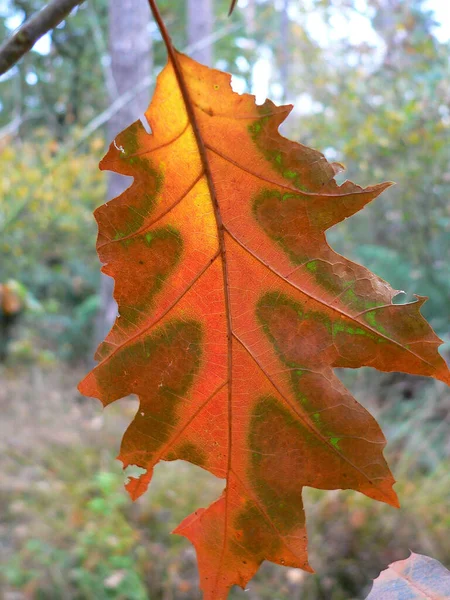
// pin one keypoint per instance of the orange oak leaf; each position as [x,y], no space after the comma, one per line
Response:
[234,311]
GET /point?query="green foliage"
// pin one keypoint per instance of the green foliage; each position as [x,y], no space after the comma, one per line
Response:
[101,561]
[69,534]
[47,243]
[382,108]
[65,87]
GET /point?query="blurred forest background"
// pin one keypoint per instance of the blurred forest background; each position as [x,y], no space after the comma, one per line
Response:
[370,82]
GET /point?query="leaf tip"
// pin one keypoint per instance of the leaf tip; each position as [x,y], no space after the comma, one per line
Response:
[389,495]
[445,375]
[308,568]
[382,187]
[136,486]
[337,167]
[186,523]
[88,387]
[383,492]
[391,498]
[395,503]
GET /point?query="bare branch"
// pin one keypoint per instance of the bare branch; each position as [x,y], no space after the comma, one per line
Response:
[26,36]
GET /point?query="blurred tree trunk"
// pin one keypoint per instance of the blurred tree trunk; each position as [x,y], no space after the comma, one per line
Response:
[131,61]
[284,48]
[200,20]
[250,17]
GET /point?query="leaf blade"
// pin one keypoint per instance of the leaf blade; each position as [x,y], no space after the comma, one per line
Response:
[417,577]
[231,327]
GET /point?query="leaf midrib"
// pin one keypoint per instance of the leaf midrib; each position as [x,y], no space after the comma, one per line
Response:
[222,229]
[221,236]
[173,57]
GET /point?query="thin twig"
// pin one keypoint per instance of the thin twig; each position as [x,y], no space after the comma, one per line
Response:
[28,34]
[129,95]
[233,4]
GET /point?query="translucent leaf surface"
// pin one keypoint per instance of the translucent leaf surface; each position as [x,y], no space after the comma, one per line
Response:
[415,578]
[234,311]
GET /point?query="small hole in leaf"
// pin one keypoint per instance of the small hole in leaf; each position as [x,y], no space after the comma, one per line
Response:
[145,124]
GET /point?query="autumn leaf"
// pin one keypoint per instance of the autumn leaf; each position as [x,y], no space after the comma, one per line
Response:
[418,577]
[234,311]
